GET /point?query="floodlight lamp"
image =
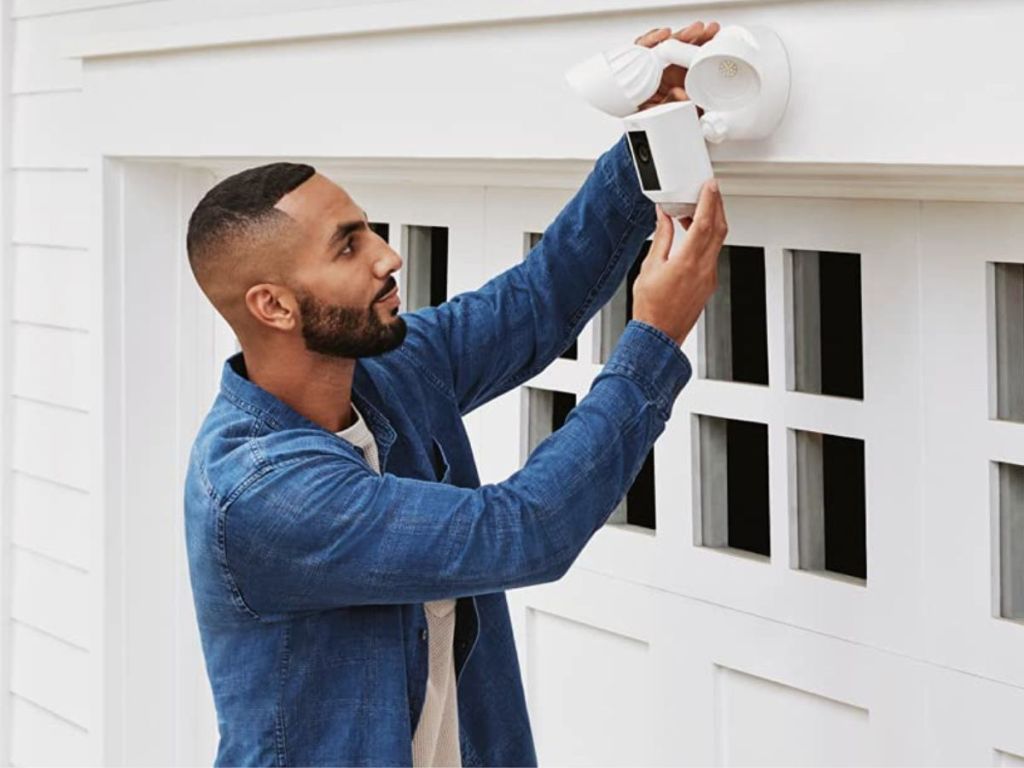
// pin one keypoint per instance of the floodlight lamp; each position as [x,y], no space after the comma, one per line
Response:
[740,79]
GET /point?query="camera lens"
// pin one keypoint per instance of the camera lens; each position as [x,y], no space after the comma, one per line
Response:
[645,165]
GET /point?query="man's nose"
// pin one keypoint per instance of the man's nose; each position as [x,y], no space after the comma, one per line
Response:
[388,263]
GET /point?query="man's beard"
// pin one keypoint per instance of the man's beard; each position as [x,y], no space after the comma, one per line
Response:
[346,331]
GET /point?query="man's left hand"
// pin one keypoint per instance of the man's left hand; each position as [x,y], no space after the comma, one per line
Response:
[672,79]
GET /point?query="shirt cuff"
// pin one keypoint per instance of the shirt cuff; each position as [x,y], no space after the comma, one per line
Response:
[619,175]
[652,359]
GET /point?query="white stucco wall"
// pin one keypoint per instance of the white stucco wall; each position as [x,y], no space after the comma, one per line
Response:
[902,143]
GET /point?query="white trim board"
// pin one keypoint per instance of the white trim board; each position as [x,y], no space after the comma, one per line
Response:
[365,19]
[496,89]
[839,180]
[29,9]
[156,329]
[6,378]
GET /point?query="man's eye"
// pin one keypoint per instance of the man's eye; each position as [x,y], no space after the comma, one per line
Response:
[347,249]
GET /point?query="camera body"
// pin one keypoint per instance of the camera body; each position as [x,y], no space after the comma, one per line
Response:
[670,155]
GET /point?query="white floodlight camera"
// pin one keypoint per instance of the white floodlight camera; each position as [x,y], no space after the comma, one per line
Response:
[740,79]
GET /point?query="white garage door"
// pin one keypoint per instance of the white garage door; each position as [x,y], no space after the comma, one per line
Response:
[821,561]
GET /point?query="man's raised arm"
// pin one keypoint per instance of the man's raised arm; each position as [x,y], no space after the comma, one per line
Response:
[352,537]
[489,341]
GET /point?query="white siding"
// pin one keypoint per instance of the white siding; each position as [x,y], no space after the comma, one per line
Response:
[51,596]
[49,363]
[51,519]
[52,379]
[52,442]
[51,672]
[48,130]
[53,371]
[51,208]
[55,287]
[42,738]
[28,8]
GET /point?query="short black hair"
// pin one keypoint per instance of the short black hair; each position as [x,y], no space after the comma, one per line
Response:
[238,203]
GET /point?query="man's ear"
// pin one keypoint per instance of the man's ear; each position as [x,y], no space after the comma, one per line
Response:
[273,306]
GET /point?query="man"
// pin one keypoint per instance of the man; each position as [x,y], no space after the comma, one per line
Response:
[348,570]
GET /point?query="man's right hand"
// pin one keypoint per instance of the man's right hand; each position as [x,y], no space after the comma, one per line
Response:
[672,288]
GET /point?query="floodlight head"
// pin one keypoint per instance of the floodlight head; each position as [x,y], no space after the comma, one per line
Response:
[723,82]
[619,80]
[740,79]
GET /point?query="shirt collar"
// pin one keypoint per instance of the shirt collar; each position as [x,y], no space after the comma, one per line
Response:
[253,399]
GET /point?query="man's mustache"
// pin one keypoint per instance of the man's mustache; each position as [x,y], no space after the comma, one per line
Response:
[391,283]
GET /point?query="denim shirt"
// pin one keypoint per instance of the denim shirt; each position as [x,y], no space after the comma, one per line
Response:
[309,571]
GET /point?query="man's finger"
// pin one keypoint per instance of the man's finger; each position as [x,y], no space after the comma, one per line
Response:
[709,32]
[676,94]
[704,217]
[640,38]
[690,34]
[654,37]
[721,225]
[663,233]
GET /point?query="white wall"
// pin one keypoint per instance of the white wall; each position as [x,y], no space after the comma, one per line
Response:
[885,112]
[51,323]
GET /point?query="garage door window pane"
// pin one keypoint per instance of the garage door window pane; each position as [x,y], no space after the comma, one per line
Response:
[735,319]
[546,412]
[828,348]
[733,482]
[1009,327]
[830,504]
[1011,541]
[426,264]
[619,310]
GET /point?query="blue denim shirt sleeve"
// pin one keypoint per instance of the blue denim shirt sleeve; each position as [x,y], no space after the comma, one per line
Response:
[486,342]
[320,531]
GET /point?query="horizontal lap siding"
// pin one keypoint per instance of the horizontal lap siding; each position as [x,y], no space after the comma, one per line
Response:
[51,208]
[52,442]
[56,287]
[40,65]
[28,8]
[64,610]
[49,130]
[53,380]
[52,673]
[52,365]
[51,519]
[45,739]
[54,377]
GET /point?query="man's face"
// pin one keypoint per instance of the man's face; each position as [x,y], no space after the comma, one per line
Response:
[342,276]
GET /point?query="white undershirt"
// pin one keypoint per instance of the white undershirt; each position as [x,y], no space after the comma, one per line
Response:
[436,741]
